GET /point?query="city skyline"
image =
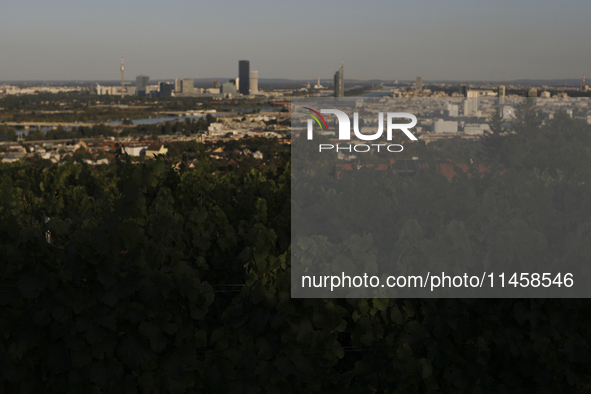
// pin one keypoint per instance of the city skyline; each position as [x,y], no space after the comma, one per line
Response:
[457,40]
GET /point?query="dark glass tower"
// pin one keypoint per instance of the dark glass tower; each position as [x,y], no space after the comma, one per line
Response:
[339,82]
[244,75]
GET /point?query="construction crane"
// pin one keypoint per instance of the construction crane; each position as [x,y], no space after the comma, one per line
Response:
[285,104]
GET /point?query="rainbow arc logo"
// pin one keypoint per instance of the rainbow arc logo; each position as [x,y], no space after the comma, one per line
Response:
[315,115]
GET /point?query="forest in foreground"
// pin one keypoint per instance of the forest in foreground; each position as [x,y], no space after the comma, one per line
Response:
[142,278]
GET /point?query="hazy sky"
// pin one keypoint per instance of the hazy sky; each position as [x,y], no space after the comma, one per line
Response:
[435,39]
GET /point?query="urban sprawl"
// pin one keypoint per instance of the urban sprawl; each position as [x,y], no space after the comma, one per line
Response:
[91,122]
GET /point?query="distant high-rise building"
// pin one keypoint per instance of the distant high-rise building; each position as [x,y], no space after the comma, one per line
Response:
[177,86]
[228,88]
[254,82]
[418,84]
[187,86]
[502,94]
[166,89]
[244,75]
[339,82]
[463,90]
[471,105]
[533,92]
[583,84]
[141,82]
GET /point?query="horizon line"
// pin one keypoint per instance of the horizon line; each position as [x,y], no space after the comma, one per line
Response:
[505,81]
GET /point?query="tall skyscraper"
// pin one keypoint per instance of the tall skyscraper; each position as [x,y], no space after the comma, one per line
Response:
[187,85]
[471,103]
[141,82]
[418,84]
[166,89]
[177,86]
[244,75]
[502,94]
[339,82]
[254,82]
[463,90]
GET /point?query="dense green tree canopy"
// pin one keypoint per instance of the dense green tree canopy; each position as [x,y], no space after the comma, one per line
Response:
[163,280]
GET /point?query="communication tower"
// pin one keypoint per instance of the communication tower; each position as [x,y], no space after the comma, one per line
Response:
[122,70]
